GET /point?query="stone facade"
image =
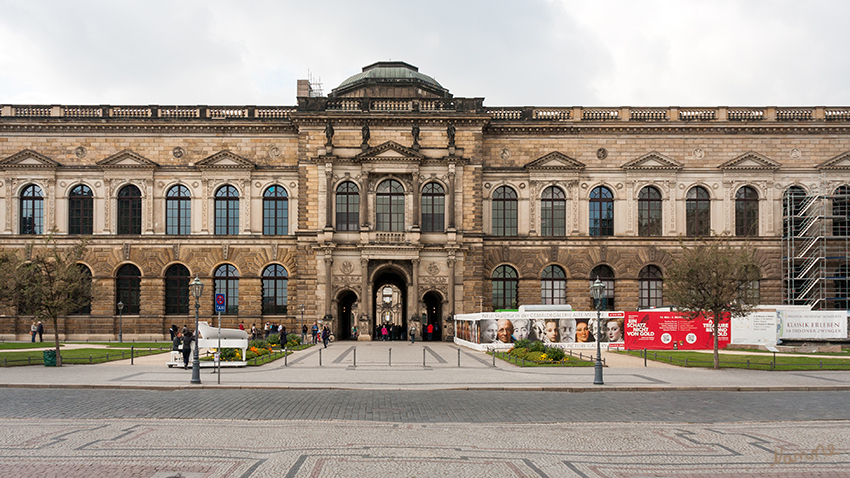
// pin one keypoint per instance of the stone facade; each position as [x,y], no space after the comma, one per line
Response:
[415,139]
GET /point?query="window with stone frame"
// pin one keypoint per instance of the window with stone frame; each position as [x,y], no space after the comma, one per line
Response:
[389,205]
[553,286]
[129,210]
[275,211]
[553,212]
[601,212]
[128,289]
[746,212]
[347,207]
[177,290]
[227,211]
[841,211]
[651,287]
[698,212]
[504,215]
[433,207]
[32,210]
[275,290]
[80,210]
[505,282]
[86,308]
[606,275]
[226,281]
[649,212]
[178,210]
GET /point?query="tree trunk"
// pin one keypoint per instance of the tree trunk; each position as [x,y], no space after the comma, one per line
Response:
[715,325]
[56,341]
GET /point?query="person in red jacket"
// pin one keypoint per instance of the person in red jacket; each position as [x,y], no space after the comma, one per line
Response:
[430,331]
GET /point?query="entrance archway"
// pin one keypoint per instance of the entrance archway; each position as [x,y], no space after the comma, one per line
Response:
[389,304]
[344,302]
[433,314]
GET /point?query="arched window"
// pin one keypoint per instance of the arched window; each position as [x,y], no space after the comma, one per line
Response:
[651,284]
[505,288]
[698,212]
[129,210]
[128,285]
[347,207]
[32,210]
[433,207]
[649,212]
[275,212]
[86,308]
[601,212]
[275,292]
[841,287]
[390,206]
[553,212]
[80,210]
[749,289]
[606,275]
[504,212]
[227,211]
[841,209]
[177,289]
[227,282]
[792,203]
[746,212]
[553,286]
[178,211]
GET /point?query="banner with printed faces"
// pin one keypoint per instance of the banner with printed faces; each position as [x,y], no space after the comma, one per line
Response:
[826,324]
[670,330]
[571,329]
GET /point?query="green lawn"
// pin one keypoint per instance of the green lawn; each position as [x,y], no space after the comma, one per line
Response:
[25,345]
[753,361]
[74,356]
[127,345]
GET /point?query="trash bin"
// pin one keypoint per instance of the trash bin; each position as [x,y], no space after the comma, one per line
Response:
[49,358]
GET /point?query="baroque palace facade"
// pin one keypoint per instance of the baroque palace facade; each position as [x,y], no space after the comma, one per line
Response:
[390,200]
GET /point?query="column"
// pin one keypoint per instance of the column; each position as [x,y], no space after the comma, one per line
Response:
[413,298]
[365,297]
[416,201]
[451,293]
[329,179]
[364,202]
[329,261]
[450,199]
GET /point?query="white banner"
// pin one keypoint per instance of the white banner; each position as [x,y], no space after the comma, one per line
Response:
[812,324]
[757,328]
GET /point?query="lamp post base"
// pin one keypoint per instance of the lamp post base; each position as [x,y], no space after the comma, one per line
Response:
[597,375]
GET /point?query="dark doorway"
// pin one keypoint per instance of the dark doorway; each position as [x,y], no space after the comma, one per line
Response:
[389,304]
[346,299]
[434,312]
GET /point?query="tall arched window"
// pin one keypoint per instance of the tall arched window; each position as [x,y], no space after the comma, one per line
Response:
[390,206]
[698,212]
[275,292]
[505,288]
[606,275]
[792,203]
[227,211]
[649,212]
[177,289]
[129,210]
[178,211]
[275,212]
[504,211]
[347,207]
[226,281]
[747,212]
[553,212]
[601,212]
[553,286]
[433,207]
[841,209]
[128,287]
[80,210]
[651,285]
[32,210]
[841,287]
[86,308]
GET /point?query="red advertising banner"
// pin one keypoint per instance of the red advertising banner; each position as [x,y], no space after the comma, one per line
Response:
[669,330]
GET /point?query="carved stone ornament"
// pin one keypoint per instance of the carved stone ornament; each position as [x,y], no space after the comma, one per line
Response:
[80,152]
[61,184]
[178,152]
[347,267]
[505,153]
[796,153]
[699,153]
[274,152]
[433,268]
[601,153]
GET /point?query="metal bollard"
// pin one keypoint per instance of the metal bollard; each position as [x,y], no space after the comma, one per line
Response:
[391,356]
[131,355]
[355,356]
[644,357]
[494,357]
[423,356]
[458,357]
[320,357]
[285,358]
[90,358]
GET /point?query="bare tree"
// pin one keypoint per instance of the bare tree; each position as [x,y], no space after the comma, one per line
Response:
[712,278]
[52,284]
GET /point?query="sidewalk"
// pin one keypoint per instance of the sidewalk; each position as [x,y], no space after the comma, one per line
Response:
[399,366]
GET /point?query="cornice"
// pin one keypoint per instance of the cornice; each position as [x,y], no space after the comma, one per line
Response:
[348,119]
[109,127]
[666,129]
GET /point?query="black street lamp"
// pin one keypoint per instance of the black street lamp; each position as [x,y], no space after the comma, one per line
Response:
[197,288]
[597,291]
[120,322]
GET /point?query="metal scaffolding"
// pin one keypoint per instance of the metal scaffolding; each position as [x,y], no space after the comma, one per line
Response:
[815,248]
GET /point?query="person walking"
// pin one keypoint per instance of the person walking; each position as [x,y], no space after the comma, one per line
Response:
[354,331]
[33,330]
[384,333]
[411,331]
[315,332]
[253,331]
[267,329]
[40,330]
[188,338]
[242,325]
[303,333]
[430,332]
[326,334]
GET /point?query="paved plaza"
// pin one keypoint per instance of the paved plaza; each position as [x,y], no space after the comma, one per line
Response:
[407,419]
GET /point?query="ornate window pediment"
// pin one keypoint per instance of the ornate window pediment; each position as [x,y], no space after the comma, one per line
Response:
[28,158]
[653,160]
[842,161]
[390,151]
[127,159]
[750,161]
[555,161]
[225,159]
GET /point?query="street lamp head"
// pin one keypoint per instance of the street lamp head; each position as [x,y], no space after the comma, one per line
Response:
[120,306]
[597,289]
[197,287]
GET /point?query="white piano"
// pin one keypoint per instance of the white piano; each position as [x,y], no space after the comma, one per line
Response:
[230,339]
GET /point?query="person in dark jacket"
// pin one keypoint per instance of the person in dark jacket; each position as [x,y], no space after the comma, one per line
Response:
[326,334]
[188,338]
[40,331]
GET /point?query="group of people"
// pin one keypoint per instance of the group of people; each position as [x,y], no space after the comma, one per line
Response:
[182,341]
[323,334]
[548,330]
[37,329]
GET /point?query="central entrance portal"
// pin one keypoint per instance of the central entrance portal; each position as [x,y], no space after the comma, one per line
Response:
[389,304]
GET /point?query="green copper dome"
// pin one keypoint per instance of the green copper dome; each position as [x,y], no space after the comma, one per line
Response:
[390,74]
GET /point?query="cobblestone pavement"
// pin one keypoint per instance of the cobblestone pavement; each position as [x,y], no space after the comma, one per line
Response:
[318,448]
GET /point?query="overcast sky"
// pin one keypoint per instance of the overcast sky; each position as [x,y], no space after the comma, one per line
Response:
[541,53]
